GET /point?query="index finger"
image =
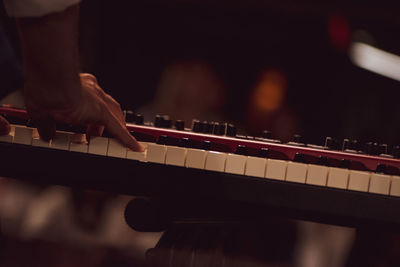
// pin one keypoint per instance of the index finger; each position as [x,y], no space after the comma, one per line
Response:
[4,126]
[119,131]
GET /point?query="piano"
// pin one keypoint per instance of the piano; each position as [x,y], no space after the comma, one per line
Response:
[209,172]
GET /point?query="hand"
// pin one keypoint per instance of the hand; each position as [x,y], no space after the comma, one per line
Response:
[95,109]
[4,126]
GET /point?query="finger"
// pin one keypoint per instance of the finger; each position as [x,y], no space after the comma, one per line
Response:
[119,131]
[46,128]
[94,130]
[112,104]
[115,109]
[4,126]
[88,76]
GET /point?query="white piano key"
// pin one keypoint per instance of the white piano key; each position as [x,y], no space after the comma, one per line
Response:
[23,135]
[41,143]
[235,164]
[215,161]
[395,186]
[338,178]
[116,149]
[380,184]
[98,145]
[296,172]
[8,138]
[78,143]
[141,156]
[256,166]
[61,140]
[156,153]
[37,141]
[195,158]
[276,169]
[359,181]
[175,156]
[317,175]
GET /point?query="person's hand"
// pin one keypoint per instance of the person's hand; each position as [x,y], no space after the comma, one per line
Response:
[95,109]
[4,126]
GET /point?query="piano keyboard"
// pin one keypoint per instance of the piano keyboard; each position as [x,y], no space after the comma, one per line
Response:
[284,172]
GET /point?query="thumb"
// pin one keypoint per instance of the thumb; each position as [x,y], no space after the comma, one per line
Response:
[4,126]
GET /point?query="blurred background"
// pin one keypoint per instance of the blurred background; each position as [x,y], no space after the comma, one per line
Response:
[292,67]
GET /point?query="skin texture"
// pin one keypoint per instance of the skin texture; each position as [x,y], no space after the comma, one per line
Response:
[54,90]
[4,126]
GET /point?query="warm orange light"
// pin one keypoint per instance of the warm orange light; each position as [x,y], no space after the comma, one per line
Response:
[270,91]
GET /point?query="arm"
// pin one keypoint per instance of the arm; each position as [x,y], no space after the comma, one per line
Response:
[54,90]
[51,60]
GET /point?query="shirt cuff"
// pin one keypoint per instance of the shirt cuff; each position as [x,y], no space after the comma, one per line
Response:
[36,8]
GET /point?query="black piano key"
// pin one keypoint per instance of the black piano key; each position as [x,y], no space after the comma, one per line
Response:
[184,142]
[323,161]
[345,164]
[264,152]
[207,145]
[162,140]
[381,168]
[143,137]
[387,169]
[273,154]
[241,150]
[299,157]
[173,141]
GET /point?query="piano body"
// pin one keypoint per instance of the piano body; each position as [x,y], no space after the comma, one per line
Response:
[202,174]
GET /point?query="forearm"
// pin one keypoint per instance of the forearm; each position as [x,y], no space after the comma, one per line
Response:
[51,59]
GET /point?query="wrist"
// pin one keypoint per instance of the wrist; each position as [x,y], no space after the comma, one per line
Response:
[42,96]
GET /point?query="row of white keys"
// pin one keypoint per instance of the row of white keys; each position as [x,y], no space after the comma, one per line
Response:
[61,140]
[216,161]
[270,168]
